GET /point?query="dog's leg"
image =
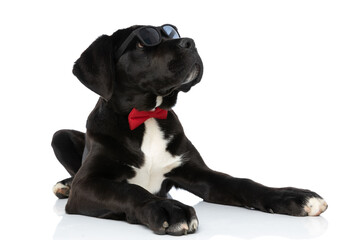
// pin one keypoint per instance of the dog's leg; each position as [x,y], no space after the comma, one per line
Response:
[106,198]
[68,147]
[220,188]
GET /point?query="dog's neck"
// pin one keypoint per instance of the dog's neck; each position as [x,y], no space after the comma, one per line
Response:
[124,102]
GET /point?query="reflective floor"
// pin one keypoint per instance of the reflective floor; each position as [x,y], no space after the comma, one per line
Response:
[216,222]
[43,217]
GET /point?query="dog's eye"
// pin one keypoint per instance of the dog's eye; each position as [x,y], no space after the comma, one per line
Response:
[139,45]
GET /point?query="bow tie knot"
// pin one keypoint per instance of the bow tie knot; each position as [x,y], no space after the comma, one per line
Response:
[136,117]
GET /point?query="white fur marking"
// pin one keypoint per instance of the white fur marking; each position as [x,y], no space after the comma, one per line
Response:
[179,227]
[157,160]
[59,186]
[315,206]
[192,76]
[159,100]
[193,225]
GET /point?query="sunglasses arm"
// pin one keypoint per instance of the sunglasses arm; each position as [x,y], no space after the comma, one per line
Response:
[124,45]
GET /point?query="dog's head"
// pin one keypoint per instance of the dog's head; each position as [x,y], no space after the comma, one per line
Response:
[140,75]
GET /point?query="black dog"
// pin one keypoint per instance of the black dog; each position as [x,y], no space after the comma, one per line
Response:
[135,150]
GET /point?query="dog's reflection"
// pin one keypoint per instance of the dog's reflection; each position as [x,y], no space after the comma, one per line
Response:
[215,221]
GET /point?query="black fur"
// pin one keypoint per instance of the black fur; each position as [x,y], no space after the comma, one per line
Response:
[101,161]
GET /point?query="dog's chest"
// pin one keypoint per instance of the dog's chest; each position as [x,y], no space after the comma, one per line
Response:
[157,160]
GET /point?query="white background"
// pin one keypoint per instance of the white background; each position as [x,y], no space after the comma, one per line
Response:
[278,103]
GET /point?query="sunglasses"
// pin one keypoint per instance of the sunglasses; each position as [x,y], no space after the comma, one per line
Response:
[149,36]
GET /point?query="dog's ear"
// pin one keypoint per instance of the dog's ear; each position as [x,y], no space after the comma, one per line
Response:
[96,68]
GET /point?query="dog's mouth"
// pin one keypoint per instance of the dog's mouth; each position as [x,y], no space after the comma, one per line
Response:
[193,74]
[191,79]
[166,92]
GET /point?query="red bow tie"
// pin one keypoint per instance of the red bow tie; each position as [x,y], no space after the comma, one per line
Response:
[136,117]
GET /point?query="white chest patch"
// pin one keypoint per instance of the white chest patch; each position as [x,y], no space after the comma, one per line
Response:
[157,161]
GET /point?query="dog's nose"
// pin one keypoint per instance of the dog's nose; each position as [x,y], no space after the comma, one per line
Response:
[187,43]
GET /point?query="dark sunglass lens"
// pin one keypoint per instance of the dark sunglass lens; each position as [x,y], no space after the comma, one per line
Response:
[149,36]
[171,32]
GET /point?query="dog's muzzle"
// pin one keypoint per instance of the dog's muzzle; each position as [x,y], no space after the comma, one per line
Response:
[192,78]
[193,74]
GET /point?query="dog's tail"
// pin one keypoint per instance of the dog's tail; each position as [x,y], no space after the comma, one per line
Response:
[68,146]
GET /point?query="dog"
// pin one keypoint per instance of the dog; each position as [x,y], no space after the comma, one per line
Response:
[135,150]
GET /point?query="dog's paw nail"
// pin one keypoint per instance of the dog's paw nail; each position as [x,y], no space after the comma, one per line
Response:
[165,224]
[178,229]
[193,226]
[184,226]
[315,206]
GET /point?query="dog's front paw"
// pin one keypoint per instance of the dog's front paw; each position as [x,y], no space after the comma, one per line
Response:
[315,206]
[295,202]
[168,216]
